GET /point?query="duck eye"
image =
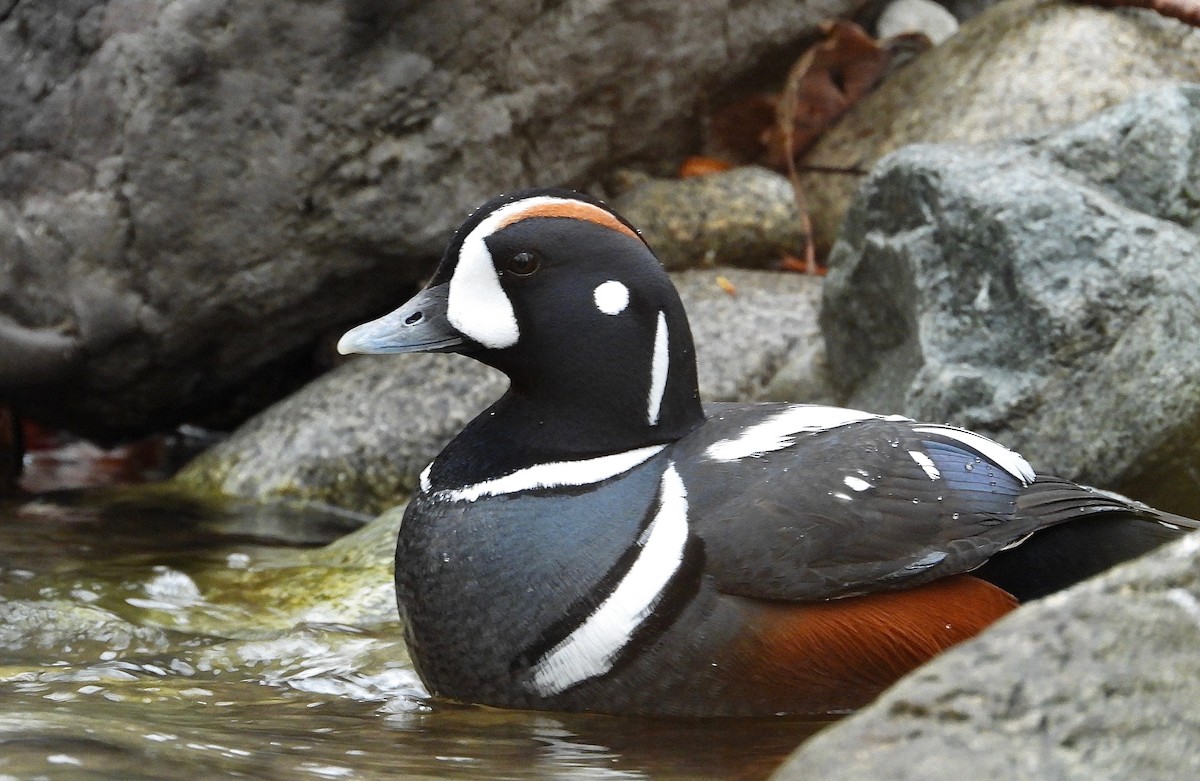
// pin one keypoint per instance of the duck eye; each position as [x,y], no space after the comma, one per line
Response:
[522,264]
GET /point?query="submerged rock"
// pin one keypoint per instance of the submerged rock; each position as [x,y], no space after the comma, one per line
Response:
[1098,682]
[35,630]
[1020,67]
[1042,293]
[359,437]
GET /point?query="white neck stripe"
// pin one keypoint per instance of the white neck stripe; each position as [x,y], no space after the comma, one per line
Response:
[658,370]
[592,648]
[555,474]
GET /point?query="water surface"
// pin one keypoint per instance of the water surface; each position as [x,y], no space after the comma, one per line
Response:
[144,636]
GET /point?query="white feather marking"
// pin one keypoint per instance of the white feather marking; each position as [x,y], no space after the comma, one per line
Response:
[611,297]
[856,483]
[926,463]
[1006,459]
[658,370]
[590,649]
[843,497]
[927,561]
[1017,541]
[425,484]
[477,305]
[779,431]
[554,474]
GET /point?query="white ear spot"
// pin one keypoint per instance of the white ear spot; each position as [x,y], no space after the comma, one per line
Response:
[611,297]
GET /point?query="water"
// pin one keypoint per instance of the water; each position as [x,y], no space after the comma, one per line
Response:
[145,635]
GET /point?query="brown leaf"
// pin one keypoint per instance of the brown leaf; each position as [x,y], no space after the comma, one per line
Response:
[697,165]
[738,129]
[828,79]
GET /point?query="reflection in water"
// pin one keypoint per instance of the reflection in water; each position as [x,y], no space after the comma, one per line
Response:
[121,657]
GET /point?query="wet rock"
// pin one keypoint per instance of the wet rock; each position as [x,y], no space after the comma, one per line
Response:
[743,217]
[192,193]
[1022,66]
[36,629]
[1042,293]
[348,583]
[1100,681]
[359,436]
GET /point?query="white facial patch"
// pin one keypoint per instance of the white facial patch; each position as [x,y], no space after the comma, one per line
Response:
[658,370]
[555,474]
[1009,461]
[779,431]
[611,297]
[477,305]
[591,649]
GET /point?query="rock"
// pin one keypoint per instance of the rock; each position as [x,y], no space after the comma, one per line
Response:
[1042,293]
[1097,682]
[743,217]
[31,630]
[1021,67]
[916,16]
[192,193]
[359,437]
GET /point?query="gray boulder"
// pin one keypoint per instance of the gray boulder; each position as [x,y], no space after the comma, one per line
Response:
[1097,682]
[1044,293]
[358,437]
[1020,67]
[192,193]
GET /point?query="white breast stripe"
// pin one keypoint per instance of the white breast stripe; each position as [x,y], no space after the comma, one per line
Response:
[926,463]
[658,370]
[1006,459]
[778,431]
[554,474]
[477,305]
[590,649]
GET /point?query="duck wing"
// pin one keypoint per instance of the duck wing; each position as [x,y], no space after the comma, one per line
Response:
[806,502]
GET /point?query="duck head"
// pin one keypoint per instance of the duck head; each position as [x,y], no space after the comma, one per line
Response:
[563,295]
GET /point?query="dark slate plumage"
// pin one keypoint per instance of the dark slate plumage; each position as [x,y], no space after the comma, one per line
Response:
[596,540]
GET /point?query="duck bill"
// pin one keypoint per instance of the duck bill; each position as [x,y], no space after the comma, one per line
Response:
[418,326]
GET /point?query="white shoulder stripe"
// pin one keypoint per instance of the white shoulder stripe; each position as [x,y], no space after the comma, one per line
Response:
[591,649]
[779,431]
[554,474]
[658,370]
[1006,459]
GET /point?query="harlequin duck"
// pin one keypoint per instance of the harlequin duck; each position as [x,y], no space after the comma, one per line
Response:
[598,540]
